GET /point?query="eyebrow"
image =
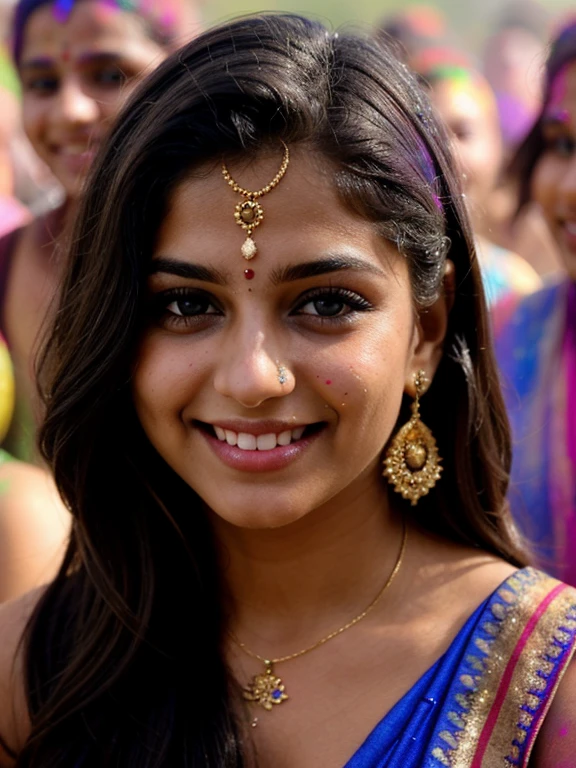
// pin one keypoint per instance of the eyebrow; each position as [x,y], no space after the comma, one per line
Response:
[334,263]
[287,274]
[95,57]
[187,270]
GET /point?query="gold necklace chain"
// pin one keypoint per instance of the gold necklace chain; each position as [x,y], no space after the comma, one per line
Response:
[266,689]
[264,190]
[249,213]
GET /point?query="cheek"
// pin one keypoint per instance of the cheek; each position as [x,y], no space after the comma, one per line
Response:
[164,380]
[33,118]
[363,379]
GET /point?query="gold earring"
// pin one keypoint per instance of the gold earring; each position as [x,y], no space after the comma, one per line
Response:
[412,464]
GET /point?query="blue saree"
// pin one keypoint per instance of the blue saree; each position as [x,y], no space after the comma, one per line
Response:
[482,703]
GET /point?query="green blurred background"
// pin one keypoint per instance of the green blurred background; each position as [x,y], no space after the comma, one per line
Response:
[470,18]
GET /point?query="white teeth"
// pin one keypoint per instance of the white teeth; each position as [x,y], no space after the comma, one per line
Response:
[246,441]
[266,442]
[284,438]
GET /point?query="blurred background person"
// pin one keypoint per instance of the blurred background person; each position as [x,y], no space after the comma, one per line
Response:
[77,60]
[34,524]
[466,104]
[513,60]
[536,335]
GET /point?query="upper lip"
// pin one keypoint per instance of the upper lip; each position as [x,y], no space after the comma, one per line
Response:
[264,427]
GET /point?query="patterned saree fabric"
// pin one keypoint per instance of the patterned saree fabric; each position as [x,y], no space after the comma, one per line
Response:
[536,349]
[482,703]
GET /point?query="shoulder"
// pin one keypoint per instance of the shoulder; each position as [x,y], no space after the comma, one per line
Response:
[34,526]
[14,723]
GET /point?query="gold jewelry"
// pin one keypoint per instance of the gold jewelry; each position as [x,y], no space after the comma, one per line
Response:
[266,689]
[412,463]
[249,214]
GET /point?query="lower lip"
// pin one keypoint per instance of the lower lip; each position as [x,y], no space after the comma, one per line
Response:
[259,461]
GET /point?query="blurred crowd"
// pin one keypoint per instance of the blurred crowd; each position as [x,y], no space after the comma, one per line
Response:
[509,110]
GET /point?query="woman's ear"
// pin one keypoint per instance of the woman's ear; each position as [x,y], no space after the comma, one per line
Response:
[430,331]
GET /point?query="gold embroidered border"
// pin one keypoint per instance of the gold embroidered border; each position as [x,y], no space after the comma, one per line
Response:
[521,595]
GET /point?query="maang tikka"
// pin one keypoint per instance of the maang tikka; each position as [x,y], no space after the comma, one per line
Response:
[249,214]
[412,464]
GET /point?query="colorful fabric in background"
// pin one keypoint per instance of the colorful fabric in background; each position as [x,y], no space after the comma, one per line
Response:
[505,273]
[482,703]
[536,350]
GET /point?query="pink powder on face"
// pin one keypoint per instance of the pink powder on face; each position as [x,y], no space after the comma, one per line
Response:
[563,731]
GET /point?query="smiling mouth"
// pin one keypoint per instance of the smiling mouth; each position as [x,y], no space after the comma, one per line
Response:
[248,442]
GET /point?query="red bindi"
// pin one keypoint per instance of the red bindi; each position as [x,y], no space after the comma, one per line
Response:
[249,274]
[328,381]
[66,55]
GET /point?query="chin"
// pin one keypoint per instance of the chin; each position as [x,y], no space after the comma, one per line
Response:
[255,516]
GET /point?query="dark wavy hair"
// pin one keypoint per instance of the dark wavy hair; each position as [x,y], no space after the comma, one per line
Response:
[124,662]
[522,165]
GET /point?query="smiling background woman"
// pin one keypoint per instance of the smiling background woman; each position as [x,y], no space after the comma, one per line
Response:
[536,337]
[243,586]
[77,62]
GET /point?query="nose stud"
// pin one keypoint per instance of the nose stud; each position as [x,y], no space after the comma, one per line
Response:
[282,374]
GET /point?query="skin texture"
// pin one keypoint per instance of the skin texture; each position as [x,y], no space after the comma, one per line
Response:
[554,178]
[75,76]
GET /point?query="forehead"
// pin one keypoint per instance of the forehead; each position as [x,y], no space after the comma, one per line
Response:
[94,24]
[303,215]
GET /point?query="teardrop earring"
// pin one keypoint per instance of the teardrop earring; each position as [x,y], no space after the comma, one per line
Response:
[412,464]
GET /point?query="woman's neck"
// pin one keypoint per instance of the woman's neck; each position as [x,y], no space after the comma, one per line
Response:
[292,584]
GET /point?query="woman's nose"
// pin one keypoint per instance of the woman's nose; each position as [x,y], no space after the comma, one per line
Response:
[251,370]
[73,106]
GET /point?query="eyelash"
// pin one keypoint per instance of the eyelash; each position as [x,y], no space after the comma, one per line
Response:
[349,299]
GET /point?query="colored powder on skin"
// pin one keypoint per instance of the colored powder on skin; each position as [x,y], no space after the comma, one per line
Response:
[563,731]
[558,91]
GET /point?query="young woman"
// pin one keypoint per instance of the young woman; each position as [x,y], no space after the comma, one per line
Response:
[537,337]
[77,62]
[271,301]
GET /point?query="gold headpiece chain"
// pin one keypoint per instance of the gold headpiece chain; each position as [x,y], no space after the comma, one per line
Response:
[249,214]
[266,689]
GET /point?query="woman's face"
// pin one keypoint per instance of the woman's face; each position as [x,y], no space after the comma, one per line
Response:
[274,391]
[554,177]
[76,73]
[469,112]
